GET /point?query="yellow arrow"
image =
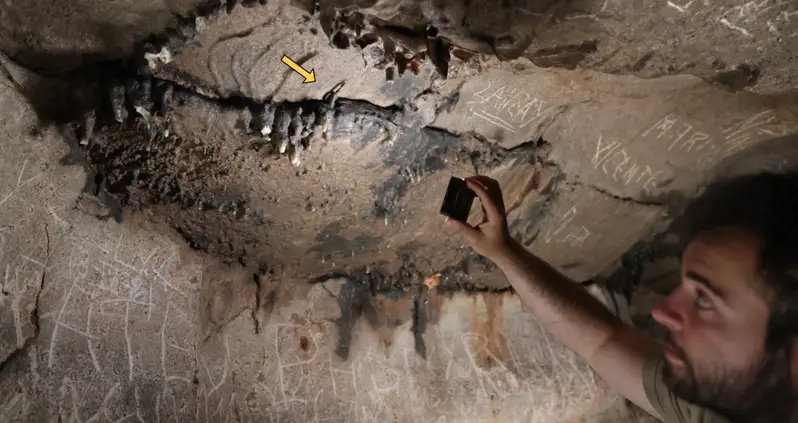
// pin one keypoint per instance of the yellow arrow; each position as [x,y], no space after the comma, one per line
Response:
[309,76]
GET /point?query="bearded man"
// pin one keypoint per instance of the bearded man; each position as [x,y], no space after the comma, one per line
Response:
[732,321]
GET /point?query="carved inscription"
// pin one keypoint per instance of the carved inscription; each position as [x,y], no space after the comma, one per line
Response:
[510,108]
[564,232]
[749,19]
[705,149]
[116,330]
[613,159]
[307,381]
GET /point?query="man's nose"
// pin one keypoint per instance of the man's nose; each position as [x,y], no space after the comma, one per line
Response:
[669,312]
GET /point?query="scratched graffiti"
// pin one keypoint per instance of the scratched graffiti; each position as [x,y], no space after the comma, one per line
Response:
[687,142]
[116,318]
[612,159]
[510,108]
[24,179]
[298,377]
[20,270]
[117,345]
[706,147]
[749,19]
[757,16]
[118,342]
[563,231]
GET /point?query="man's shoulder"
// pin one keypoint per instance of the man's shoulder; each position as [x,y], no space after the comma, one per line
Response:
[671,408]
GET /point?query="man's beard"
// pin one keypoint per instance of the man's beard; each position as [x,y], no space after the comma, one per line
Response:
[763,393]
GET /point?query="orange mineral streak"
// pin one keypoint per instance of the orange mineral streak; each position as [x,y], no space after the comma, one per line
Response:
[432,281]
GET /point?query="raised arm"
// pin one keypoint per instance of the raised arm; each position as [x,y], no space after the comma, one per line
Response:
[573,316]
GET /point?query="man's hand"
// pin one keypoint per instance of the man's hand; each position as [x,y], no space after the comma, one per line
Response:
[575,318]
[491,238]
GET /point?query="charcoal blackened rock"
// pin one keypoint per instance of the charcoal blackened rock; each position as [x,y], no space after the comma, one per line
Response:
[89,120]
[308,127]
[185,33]
[281,123]
[419,113]
[295,127]
[167,91]
[388,194]
[139,93]
[438,53]
[263,119]
[209,7]
[231,4]
[325,114]
[117,98]
[166,97]
[323,120]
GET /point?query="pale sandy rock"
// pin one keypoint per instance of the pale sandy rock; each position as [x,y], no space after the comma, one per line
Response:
[248,283]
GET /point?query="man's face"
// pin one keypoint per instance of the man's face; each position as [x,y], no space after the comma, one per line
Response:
[717,320]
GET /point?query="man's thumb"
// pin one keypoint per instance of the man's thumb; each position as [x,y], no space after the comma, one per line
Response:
[462,227]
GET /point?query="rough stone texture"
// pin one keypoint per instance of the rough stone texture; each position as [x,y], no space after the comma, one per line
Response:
[664,115]
[740,43]
[240,55]
[649,39]
[130,331]
[292,371]
[626,147]
[58,36]
[231,244]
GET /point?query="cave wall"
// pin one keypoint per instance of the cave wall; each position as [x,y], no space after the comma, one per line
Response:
[743,44]
[105,322]
[187,264]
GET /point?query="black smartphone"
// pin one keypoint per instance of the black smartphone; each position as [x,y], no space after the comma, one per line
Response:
[458,199]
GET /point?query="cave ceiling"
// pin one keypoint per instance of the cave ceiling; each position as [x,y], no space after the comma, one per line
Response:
[591,114]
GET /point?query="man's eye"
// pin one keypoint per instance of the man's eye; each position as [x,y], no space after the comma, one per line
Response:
[702,301]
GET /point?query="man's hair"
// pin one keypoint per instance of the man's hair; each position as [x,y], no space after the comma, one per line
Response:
[767,205]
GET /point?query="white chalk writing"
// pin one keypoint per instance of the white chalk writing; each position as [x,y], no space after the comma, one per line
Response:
[748,18]
[706,149]
[740,18]
[681,8]
[563,232]
[612,159]
[512,109]
[741,135]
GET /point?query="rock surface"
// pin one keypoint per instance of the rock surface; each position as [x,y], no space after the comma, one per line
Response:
[195,234]
[104,321]
[59,36]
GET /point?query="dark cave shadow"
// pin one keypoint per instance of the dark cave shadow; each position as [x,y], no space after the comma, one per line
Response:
[775,155]
[107,36]
[68,97]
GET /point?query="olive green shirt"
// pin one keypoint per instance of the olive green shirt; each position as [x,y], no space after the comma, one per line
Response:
[671,408]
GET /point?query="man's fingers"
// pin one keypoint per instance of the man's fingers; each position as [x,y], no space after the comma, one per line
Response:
[467,230]
[487,182]
[488,200]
